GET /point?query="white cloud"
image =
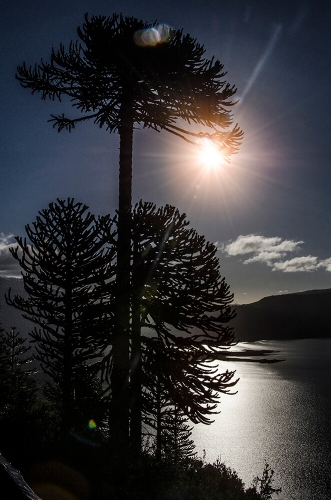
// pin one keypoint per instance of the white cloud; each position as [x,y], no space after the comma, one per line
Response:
[298,264]
[266,257]
[5,241]
[255,243]
[263,249]
[325,263]
[9,267]
[272,251]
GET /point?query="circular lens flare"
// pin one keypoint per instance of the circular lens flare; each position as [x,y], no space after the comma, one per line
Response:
[150,37]
[209,155]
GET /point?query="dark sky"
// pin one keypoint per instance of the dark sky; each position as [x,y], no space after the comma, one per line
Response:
[269,210]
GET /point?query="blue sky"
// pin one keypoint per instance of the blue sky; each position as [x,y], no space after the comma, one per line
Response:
[269,211]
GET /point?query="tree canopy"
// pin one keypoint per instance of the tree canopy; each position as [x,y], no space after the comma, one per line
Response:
[115,76]
[181,313]
[65,264]
[107,70]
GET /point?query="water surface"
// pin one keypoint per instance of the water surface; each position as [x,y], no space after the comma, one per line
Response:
[282,415]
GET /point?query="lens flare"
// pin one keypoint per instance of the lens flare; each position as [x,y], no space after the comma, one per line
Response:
[92,424]
[150,37]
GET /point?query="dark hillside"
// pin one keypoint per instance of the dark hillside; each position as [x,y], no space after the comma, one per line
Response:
[281,317]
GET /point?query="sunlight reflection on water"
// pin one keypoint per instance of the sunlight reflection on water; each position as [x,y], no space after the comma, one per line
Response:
[282,415]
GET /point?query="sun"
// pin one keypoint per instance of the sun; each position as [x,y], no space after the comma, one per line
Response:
[209,155]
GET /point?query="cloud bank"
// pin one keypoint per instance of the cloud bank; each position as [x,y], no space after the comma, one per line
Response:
[273,251]
[9,267]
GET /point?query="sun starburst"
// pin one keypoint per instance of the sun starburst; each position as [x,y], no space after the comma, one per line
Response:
[209,155]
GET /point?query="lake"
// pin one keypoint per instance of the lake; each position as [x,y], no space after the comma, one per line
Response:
[280,415]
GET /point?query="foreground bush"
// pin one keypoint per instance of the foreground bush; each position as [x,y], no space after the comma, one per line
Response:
[194,480]
[81,466]
[77,469]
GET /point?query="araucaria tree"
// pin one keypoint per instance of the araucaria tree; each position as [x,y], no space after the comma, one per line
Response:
[15,347]
[16,383]
[121,74]
[180,317]
[179,381]
[65,264]
[24,421]
[176,440]
[163,421]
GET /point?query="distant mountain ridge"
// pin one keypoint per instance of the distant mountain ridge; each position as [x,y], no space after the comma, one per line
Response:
[278,317]
[283,317]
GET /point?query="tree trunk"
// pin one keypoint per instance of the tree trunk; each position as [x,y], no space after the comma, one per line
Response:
[158,421]
[136,363]
[119,414]
[67,402]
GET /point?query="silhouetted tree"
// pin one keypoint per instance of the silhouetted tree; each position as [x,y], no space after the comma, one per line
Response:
[159,410]
[181,313]
[177,443]
[5,390]
[15,368]
[15,347]
[120,81]
[179,378]
[24,419]
[90,400]
[179,300]
[65,265]
[262,488]
[5,374]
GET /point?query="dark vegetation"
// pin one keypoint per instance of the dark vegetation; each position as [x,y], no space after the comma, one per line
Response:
[120,81]
[68,276]
[130,312]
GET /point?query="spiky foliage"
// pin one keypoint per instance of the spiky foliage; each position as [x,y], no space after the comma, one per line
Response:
[178,383]
[183,377]
[16,370]
[163,82]
[24,419]
[180,314]
[16,348]
[177,443]
[118,82]
[164,423]
[177,273]
[65,265]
